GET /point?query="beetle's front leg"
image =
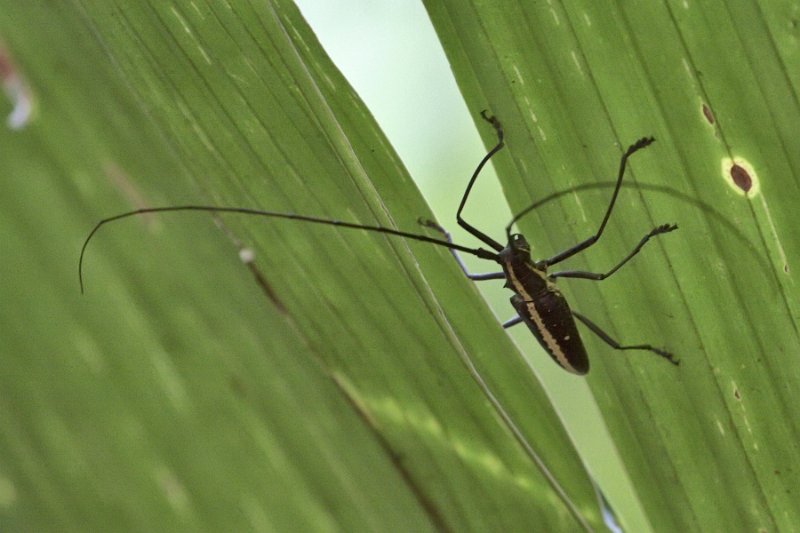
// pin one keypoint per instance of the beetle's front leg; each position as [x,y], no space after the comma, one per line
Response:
[475,277]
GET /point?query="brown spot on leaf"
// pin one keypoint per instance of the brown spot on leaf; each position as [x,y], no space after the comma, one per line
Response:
[708,114]
[736,394]
[266,288]
[741,178]
[7,70]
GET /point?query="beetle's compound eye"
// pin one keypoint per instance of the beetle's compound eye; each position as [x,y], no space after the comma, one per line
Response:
[520,243]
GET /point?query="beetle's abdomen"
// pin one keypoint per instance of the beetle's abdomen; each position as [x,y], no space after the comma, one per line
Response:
[549,318]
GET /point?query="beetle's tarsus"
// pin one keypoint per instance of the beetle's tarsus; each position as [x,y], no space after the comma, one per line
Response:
[668,356]
[664,228]
[638,145]
[495,122]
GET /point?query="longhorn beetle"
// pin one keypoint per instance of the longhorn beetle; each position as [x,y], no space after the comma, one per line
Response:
[537,300]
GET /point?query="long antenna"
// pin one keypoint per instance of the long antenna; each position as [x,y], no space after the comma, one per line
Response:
[477,252]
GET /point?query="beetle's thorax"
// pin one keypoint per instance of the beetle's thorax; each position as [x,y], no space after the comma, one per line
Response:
[522,274]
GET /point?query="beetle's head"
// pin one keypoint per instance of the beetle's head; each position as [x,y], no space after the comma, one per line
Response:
[517,250]
[519,247]
[518,242]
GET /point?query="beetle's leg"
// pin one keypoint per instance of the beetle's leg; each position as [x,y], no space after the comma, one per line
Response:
[581,246]
[512,322]
[665,228]
[475,277]
[617,346]
[498,128]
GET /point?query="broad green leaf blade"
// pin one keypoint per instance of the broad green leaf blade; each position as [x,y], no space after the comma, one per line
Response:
[323,386]
[712,443]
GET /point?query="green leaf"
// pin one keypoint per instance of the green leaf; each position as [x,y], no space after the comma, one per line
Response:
[712,444]
[334,383]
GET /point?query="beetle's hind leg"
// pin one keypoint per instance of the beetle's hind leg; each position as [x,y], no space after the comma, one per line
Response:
[605,337]
[512,322]
[475,277]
